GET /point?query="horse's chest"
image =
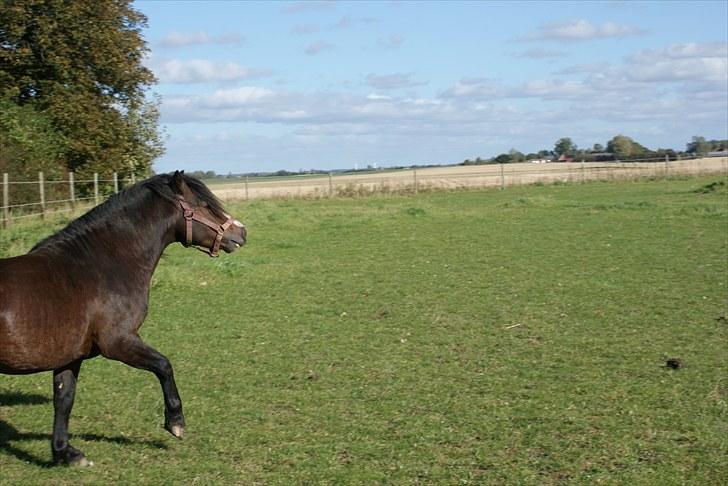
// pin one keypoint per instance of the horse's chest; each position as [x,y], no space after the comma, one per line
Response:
[122,310]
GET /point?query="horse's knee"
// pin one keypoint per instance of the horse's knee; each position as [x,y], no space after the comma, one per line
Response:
[165,367]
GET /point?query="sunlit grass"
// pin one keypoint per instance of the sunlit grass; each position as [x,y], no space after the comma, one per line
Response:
[482,337]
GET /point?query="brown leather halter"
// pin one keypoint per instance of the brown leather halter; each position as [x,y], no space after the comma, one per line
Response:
[189,215]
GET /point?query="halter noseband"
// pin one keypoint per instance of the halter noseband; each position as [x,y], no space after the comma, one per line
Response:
[189,215]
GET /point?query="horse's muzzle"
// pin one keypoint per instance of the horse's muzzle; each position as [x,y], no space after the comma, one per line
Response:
[236,239]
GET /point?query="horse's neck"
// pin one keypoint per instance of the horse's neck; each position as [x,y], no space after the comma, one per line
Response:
[142,241]
[125,245]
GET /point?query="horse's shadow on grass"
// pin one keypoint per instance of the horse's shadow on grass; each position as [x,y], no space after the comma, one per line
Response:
[10,435]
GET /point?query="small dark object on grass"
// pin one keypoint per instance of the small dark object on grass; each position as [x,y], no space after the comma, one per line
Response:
[674,363]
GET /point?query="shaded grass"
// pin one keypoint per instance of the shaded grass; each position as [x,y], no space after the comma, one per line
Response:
[483,337]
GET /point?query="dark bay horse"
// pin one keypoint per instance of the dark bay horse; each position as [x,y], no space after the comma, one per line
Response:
[84,291]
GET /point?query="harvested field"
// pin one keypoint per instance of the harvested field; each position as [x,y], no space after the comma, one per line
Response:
[453,177]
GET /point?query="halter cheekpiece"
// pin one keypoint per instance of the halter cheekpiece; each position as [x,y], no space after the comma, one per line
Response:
[189,214]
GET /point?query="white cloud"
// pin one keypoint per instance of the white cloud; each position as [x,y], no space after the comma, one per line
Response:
[682,51]
[551,89]
[308,6]
[708,69]
[540,53]
[190,71]
[317,47]
[545,89]
[237,97]
[392,81]
[347,21]
[594,102]
[697,71]
[693,61]
[180,39]
[475,88]
[344,22]
[585,68]
[581,30]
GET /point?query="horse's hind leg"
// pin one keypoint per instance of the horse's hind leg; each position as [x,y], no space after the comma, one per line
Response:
[64,392]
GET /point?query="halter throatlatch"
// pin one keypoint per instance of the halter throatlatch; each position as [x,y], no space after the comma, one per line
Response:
[190,215]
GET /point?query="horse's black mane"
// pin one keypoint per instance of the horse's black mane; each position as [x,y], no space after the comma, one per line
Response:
[114,210]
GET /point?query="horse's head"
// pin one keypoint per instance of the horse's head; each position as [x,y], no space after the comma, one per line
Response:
[203,222]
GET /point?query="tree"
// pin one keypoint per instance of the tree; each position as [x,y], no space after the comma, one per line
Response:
[564,146]
[624,147]
[598,147]
[514,156]
[669,153]
[502,159]
[28,142]
[80,64]
[699,146]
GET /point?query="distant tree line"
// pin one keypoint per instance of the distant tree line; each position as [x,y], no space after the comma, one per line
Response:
[73,90]
[620,147]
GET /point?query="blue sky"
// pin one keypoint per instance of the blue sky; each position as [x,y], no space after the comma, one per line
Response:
[249,86]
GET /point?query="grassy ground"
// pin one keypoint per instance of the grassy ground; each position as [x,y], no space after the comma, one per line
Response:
[484,337]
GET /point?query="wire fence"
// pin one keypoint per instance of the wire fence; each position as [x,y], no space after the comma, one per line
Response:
[455,177]
[39,198]
[22,199]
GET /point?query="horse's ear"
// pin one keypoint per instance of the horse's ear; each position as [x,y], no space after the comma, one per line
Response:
[178,182]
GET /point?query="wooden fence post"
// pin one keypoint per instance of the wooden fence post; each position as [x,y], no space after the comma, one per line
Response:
[503,177]
[667,159]
[116,183]
[583,175]
[6,201]
[72,190]
[133,178]
[41,191]
[246,188]
[414,175]
[331,186]
[96,188]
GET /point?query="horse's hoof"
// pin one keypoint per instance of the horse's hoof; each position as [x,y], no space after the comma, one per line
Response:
[176,430]
[81,462]
[70,456]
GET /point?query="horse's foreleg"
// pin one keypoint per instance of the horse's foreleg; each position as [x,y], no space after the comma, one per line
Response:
[64,392]
[135,352]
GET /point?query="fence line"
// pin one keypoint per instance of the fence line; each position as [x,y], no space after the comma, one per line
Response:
[46,200]
[453,177]
[491,175]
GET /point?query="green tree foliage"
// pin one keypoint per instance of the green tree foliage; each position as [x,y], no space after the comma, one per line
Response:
[619,147]
[701,146]
[502,159]
[515,156]
[28,144]
[624,147]
[564,146]
[79,63]
[28,141]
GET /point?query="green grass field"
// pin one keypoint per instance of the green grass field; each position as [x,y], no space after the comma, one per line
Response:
[473,337]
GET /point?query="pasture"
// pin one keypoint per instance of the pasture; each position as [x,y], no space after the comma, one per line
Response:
[468,337]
